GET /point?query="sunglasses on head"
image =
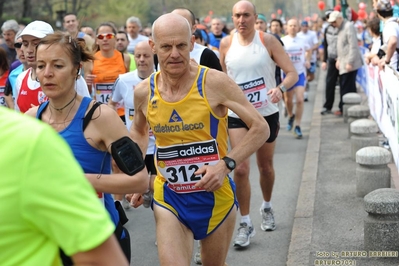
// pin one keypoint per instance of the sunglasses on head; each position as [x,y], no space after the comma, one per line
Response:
[17,45]
[107,36]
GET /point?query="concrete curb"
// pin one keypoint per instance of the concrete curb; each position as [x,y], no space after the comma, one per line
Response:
[301,238]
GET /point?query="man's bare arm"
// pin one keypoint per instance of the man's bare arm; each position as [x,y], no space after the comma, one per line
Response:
[112,129]
[280,57]
[223,48]
[108,253]
[139,129]
[229,95]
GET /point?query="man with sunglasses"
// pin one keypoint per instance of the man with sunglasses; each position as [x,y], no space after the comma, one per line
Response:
[17,67]
[9,30]
[28,88]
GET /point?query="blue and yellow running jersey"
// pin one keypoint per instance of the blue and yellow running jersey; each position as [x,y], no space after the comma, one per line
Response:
[188,135]
[188,127]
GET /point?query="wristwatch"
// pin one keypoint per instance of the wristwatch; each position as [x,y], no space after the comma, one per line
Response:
[282,88]
[230,163]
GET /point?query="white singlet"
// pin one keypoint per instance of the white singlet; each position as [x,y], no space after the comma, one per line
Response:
[123,89]
[311,37]
[80,86]
[253,70]
[296,49]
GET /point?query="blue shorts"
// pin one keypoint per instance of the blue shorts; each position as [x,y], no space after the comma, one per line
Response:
[301,81]
[312,68]
[201,212]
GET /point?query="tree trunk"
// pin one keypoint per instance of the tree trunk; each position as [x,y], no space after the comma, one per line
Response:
[27,9]
[2,8]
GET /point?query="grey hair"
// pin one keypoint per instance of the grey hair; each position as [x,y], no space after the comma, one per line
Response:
[10,25]
[134,20]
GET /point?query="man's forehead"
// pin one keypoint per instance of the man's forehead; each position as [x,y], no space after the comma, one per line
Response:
[243,12]
[70,18]
[121,36]
[8,32]
[172,40]
[243,8]
[142,50]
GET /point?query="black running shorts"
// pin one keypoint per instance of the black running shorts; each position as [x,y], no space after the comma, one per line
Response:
[273,120]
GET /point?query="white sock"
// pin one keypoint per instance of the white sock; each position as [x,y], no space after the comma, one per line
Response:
[266,205]
[246,219]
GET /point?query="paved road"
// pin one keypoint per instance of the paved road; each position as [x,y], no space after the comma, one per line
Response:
[329,217]
[267,248]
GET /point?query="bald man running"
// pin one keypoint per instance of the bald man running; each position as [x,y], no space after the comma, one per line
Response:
[193,195]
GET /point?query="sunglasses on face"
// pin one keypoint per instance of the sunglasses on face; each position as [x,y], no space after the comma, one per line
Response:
[107,36]
[18,45]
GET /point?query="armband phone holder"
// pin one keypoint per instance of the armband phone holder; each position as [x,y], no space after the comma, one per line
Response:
[127,156]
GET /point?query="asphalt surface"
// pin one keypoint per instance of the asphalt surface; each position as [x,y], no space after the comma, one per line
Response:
[314,200]
[328,222]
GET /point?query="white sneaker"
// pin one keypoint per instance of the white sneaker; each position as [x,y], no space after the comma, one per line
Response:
[197,256]
[147,199]
[268,223]
[243,238]
[305,96]
[125,204]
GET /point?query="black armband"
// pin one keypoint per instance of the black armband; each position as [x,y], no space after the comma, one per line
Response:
[380,53]
[127,155]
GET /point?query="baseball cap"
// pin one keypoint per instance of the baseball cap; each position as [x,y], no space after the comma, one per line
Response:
[384,5]
[198,34]
[334,15]
[328,12]
[304,23]
[38,29]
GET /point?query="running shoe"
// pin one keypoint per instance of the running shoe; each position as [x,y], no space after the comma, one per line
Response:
[385,144]
[147,199]
[298,132]
[244,235]
[125,204]
[326,111]
[197,256]
[268,223]
[290,122]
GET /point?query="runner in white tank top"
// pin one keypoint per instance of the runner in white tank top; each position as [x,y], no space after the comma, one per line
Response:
[249,57]
[299,51]
[253,70]
[123,90]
